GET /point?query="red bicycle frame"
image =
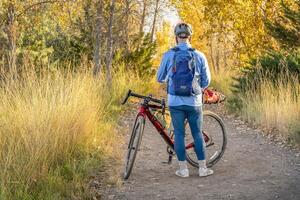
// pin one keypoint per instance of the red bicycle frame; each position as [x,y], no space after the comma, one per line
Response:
[144,111]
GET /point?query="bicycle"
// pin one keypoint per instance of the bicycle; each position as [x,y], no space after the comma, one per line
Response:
[214,134]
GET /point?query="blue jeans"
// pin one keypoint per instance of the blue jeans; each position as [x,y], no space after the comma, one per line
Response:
[194,116]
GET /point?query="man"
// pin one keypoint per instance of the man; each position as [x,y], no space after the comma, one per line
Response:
[187,74]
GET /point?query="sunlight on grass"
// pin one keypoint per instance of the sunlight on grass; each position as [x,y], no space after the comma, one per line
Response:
[222,80]
[271,106]
[275,106]
[54,128]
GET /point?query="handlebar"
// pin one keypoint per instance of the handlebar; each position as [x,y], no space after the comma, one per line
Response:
[147,99]
[220,98]
[126,98]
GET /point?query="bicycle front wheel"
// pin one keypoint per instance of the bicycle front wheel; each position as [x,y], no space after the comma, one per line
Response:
[133,146]
[214,133]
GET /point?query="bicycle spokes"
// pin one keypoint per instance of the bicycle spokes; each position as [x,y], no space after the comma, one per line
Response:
[208,139]
[214,135]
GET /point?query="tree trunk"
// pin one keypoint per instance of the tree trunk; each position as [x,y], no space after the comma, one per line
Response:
[97,50]
[143,17]
[126,32]
[212,52]
[109,43]
[218,55]
[225,53]
[11,36]
[142,24]
[154,20]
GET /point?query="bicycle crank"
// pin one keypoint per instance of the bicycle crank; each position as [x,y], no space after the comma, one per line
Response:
[170,157]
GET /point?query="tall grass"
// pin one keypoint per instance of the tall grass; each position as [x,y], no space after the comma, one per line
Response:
[54,128]
[273,105]
[222,80]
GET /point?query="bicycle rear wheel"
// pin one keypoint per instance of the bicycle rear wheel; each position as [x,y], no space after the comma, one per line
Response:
[133,146]
[213,129]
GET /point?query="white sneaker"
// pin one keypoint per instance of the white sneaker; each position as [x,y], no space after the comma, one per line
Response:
[182,173]
[204,171]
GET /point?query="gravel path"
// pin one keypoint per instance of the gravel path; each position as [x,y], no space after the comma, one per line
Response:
[253,167]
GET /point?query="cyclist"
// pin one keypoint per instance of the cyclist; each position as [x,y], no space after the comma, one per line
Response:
[187,73]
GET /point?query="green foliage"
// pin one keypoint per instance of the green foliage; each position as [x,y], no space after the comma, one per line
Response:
[286,29]
[139,59]
[32,44]
[66,48]
[273,66]
[50,41]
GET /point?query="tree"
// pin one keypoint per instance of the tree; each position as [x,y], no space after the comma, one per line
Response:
[97,52]
[154,19]
[11,36]
[164,41]
[142,24]
[236,25]
[126,31]
[42,32]
[13,13]
[109,42]
[286,28]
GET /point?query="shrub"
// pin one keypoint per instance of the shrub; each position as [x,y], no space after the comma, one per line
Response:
[273,67]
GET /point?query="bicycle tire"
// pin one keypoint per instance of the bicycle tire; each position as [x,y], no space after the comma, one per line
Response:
[133,145]
[210,163]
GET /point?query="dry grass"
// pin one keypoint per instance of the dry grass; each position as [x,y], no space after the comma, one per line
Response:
[275,106]
[222,80]
[271,106]
[54,128]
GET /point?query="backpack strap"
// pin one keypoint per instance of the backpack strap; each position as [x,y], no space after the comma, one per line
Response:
[175,49]
[192,50]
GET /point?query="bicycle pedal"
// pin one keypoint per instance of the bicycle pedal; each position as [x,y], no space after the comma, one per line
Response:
[170,159]
[166,162]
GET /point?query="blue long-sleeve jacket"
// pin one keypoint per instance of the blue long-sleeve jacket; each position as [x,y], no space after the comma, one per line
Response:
[202,70]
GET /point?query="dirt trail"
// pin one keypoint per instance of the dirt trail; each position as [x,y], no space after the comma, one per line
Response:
[253,167]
